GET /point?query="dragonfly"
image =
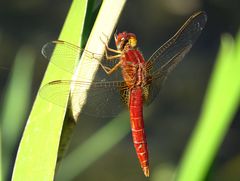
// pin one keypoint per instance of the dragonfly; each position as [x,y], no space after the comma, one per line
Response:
[125,77]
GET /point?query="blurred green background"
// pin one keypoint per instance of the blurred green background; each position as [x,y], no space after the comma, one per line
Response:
[25,26]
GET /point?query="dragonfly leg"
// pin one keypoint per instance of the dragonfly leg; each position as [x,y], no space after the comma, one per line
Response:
[111,57]
[109,70]
[112,50]
[107,47]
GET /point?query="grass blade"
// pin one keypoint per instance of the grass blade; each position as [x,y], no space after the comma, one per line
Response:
[219,107]
[37,153]
[15,105]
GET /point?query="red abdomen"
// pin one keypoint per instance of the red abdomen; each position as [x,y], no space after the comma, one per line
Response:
[137,126]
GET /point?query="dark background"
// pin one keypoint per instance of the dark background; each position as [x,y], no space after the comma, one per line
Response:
[171,119]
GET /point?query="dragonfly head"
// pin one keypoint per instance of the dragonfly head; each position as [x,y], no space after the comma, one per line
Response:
[125,40]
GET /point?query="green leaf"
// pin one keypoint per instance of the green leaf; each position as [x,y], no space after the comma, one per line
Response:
[37,152]
[219,107]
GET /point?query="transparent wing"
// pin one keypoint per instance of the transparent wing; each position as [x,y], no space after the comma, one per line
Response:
[105,99]
[65,52]
[166,58]
[68,54]
[107,94]
[185,37]
[157,80]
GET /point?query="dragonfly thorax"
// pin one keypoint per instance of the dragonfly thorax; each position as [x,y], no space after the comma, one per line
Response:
[134,68]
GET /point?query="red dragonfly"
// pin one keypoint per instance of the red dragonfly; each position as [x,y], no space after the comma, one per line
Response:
[137,82]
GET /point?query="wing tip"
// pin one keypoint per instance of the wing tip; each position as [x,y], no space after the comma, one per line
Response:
[200,13]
